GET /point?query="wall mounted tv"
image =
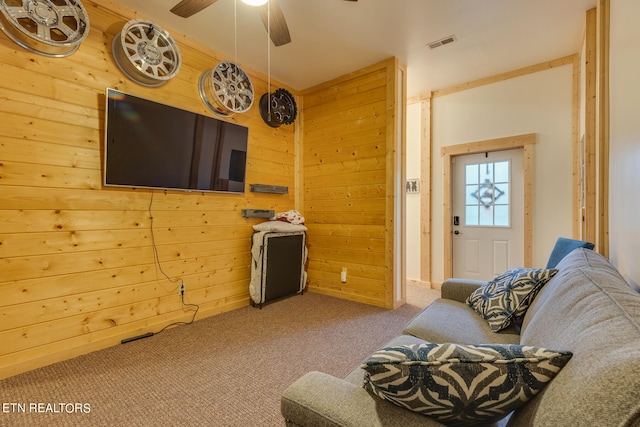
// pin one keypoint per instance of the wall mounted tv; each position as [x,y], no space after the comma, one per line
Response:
[153,145]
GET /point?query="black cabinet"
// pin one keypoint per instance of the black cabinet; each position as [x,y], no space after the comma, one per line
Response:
[278,265]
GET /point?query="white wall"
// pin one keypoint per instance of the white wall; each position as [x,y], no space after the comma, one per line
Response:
[624,201]
[538,103]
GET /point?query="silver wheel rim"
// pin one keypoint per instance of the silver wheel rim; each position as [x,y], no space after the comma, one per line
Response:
[226,89]
[146,53]
[48,27]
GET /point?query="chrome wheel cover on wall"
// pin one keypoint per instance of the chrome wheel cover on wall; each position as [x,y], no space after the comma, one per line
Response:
[48,27]
[226,89]
[146,53]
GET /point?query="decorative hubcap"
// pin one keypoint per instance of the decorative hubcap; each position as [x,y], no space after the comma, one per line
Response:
[43,13]
[226,89]
[52,28]
[150,53]
[146,53]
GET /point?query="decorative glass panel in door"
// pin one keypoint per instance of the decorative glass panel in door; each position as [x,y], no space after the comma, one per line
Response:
[487,194]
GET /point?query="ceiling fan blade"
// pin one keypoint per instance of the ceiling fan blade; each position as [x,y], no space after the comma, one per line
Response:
[279,30]
[186,8]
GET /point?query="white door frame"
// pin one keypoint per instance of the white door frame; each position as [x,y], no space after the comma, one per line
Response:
[526,142]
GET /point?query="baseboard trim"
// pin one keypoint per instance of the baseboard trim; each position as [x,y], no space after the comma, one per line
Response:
[436,285]
[421,283]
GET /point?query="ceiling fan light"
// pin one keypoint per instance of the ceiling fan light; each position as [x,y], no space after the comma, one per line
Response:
[255,2]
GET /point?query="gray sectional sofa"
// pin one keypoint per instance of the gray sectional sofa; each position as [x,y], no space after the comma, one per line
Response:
[587,308]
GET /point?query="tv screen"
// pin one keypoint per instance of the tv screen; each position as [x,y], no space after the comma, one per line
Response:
[153,145]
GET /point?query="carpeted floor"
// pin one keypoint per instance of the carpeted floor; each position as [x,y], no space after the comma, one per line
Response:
[226,370]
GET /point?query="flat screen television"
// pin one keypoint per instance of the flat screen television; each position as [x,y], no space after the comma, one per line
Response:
[154,145]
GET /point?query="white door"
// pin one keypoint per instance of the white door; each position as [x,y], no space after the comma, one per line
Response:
[488,219]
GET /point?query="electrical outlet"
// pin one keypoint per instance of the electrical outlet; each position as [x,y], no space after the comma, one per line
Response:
[181,289]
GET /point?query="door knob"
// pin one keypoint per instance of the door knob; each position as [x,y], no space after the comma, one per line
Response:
[456,232]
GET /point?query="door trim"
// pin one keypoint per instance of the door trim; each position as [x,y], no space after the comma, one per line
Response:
[448,153]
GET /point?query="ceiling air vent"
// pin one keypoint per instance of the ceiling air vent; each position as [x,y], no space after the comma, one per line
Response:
[441,42]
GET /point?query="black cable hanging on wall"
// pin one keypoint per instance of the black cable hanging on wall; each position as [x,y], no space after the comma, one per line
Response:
[179,281]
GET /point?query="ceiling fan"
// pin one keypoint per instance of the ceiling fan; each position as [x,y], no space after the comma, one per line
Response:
[279,30]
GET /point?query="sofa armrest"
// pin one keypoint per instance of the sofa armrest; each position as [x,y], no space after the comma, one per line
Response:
[319,399]
[460,289]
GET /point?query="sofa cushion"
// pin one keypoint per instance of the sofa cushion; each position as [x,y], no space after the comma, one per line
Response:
[506,298]
[461,384]
[322,400]
[356,375]
[590,310]
[451,321]
[459,289]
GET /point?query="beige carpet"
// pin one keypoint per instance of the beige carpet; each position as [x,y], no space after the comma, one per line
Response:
[227,370]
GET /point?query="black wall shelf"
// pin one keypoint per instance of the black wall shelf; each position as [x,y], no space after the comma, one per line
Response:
[258,213]
[264,188]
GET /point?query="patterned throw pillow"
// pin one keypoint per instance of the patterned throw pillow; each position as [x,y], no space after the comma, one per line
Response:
[461,384]
[506,298]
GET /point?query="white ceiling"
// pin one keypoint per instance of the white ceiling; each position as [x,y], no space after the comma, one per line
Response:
[334,37]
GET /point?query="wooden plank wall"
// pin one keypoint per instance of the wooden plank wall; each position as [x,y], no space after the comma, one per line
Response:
[77,269]
[346,169]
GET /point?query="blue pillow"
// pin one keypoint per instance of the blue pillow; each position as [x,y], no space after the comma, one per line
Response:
[563,247]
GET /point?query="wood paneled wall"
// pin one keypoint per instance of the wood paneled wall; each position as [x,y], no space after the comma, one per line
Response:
[348,168]
[77,267]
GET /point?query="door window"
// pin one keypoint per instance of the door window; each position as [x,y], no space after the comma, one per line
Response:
[487,194]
